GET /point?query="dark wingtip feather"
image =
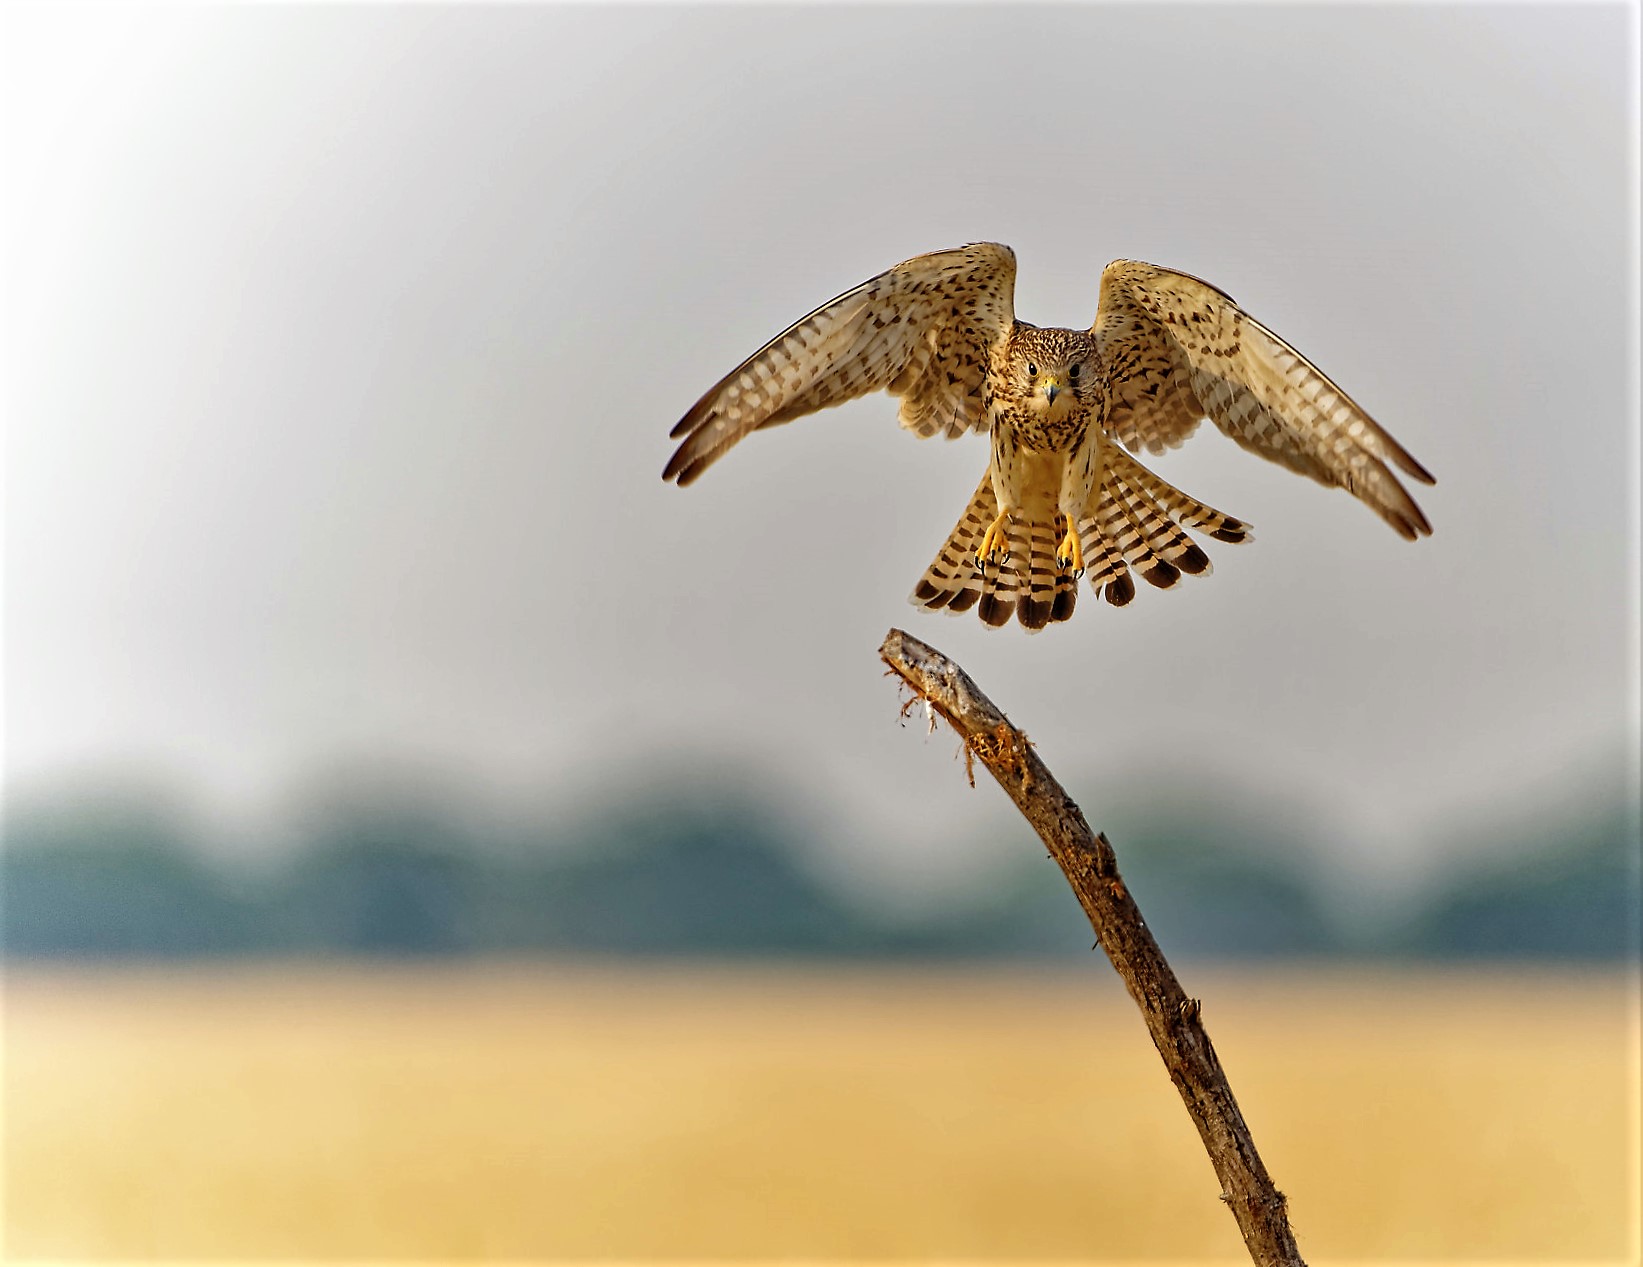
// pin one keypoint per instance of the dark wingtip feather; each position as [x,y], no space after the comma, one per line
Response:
[683,467]
[1406,462]
[1120,590]
[1407,520]
[1065,599]
[964,600]
[698,414]
[1233,531]
[691,427]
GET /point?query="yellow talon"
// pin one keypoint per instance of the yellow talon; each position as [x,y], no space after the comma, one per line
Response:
[1070,553]
[995,542]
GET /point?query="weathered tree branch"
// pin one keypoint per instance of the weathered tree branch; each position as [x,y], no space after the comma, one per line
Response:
[1089,864]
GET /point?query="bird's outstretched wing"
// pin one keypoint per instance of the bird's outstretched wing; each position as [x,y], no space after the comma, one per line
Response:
[923,330]
[1177,349]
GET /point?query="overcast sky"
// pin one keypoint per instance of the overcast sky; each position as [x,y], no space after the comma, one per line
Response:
[343,345]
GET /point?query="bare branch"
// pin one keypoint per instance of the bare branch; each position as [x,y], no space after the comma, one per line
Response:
[1091,868]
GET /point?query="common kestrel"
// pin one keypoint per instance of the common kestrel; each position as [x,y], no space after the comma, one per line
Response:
[1060,496]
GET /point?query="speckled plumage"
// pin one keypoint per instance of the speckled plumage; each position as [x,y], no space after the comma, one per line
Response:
[1166,350]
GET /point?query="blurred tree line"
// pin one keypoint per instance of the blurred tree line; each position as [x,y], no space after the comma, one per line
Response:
[713,871]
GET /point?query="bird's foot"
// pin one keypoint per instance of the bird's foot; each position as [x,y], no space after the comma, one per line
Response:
[995,542]
[1069,555]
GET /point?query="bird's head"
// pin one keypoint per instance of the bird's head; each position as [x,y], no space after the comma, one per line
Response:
[1051,370]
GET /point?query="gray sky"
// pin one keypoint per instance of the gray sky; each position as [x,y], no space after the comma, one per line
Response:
[344,343]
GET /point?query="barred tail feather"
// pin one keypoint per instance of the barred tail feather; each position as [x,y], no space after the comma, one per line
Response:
[1105,566]
[1112,530]
[1173,552]
[1135,525]
[1137,545]
[952,583]
[1043,588]
[1029,585]
[1177,505]
[998,588]
[1065,595]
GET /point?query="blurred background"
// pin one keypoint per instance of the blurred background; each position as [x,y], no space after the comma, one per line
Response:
[379,728]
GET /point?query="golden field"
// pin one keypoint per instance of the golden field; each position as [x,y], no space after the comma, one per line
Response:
[533,1111]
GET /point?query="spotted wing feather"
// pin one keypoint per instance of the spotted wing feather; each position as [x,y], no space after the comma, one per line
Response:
[1176,349]
[923,330]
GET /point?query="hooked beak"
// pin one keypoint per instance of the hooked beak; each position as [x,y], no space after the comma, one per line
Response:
[1052,389]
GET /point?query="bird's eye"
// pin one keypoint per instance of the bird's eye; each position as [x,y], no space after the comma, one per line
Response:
[1072,372]
[1032,370]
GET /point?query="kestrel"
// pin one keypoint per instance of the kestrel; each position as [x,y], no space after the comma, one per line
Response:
[1061,497]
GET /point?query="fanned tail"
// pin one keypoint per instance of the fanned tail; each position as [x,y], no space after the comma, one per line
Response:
[1029,584]
[1134,525]
[1177,505]
[1102,535]
[953,583]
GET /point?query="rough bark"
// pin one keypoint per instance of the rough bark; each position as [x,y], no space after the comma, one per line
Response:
[1086,858]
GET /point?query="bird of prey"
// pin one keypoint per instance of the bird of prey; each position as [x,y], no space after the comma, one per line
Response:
[1065,410]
